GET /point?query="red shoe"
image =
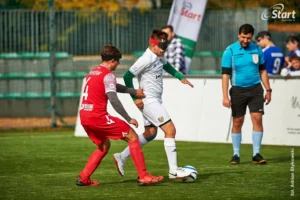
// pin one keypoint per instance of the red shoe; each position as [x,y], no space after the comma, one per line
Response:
[83,181]
[149,180]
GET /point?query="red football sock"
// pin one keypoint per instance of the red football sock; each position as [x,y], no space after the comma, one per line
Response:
[93,162]
[137,156]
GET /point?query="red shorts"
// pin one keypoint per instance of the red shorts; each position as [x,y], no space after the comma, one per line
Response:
[112,128]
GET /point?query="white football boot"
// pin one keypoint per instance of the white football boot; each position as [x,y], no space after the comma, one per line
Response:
[179,173]
[119,163]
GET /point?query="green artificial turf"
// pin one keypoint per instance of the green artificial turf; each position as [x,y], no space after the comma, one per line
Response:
[46,165]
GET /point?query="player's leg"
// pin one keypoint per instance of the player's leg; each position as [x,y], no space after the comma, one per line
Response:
[236,137]
[121,130]
[147,136]
[137,156]
[170,149]
[239,101]
[96,157]
[256,107]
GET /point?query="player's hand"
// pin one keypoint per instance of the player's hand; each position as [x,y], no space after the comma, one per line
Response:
[134,122]
[185,81]
[268,98]
[226,102]
[139,103]
[140,94]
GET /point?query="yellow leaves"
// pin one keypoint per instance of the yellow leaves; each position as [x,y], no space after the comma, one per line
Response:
[105,5]
[44,47]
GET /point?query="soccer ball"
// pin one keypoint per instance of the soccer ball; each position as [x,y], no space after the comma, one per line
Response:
[193,176]
[284,72]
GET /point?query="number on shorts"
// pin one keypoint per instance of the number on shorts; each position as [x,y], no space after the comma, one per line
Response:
[109,121]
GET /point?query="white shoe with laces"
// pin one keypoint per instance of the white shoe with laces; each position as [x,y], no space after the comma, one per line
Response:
[119,163]
[179,173]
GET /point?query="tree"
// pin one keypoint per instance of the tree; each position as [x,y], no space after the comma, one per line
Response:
[105,5]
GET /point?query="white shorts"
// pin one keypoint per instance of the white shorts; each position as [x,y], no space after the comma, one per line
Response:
[155,114]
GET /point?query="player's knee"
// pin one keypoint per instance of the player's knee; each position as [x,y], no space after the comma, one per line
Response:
[169,129]
[131,136]
[257,124]
[152,137]
[237,125]
[171,132]
[238,122]
[257,120]
[105,145]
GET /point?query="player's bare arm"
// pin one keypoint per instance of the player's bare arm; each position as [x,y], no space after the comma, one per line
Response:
[185,81]
[265,80]
[139,103]
[171,70]
[134,122]
[225,83]
[139,93]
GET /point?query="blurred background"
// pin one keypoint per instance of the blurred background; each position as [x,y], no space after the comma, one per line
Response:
[75,32]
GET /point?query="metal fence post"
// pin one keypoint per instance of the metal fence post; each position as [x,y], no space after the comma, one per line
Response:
[52,62]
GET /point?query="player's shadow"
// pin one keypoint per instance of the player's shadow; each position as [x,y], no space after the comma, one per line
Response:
[281,159]
[176,181]
[132,181]
[209,175]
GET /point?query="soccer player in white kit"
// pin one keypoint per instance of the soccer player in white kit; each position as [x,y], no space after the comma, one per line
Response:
[149,71]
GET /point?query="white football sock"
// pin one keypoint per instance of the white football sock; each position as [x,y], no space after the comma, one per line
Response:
[170,148]
[126,153]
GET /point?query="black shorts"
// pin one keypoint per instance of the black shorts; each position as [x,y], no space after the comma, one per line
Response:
[253,97]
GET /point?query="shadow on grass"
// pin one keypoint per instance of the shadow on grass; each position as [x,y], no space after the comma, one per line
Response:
[208,175]
[131,181]
[282,159]
[176,181]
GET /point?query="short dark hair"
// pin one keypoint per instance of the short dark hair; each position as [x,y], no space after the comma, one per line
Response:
[263,34]
[294,57]
[246,28]
[159,35]
[293,39]
[169,27]
[110,52]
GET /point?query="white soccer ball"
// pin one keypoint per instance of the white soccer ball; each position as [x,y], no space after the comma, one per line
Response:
[284,72]
[193,175]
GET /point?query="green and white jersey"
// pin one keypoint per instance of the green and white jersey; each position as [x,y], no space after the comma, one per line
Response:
[149,71]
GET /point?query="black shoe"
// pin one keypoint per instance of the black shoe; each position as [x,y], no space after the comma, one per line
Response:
[258,159]
[235,160]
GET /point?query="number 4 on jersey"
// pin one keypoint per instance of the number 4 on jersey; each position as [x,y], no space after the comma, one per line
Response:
[86,89]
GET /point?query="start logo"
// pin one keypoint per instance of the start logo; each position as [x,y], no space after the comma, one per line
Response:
[277,12]
[186,11]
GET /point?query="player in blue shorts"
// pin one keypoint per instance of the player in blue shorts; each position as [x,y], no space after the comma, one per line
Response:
[244,65]
[273,55]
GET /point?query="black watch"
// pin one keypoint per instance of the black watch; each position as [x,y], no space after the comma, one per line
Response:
[270,90]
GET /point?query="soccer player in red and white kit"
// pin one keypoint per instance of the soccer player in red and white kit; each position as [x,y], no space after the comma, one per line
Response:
[100,87]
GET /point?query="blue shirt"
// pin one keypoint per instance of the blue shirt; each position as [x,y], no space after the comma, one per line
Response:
[297,52]
[244,63]
[274,59]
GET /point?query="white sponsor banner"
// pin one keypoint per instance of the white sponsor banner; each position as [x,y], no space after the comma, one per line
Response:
[186,17]
[199,115]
